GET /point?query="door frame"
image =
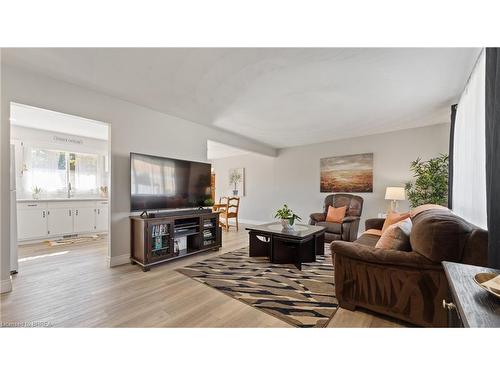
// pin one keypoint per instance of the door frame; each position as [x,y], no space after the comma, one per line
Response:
[110,169]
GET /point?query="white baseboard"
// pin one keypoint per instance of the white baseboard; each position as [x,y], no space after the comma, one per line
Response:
[5,285]
[118,260]
[253,222]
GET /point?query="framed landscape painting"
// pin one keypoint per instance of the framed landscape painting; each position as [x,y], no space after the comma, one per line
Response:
[348,174]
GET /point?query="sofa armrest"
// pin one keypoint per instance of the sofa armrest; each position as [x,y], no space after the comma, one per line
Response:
[374,255]
[374,223]
[316,217]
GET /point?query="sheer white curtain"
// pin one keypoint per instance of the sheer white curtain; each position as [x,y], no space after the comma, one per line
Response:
[46,169]
[469,153]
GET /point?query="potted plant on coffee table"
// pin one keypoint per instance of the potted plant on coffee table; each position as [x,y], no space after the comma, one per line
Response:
[287,217]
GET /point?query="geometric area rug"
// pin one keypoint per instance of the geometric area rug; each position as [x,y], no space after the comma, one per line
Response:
[301,298]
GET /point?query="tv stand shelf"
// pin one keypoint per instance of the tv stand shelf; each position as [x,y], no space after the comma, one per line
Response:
[154,239]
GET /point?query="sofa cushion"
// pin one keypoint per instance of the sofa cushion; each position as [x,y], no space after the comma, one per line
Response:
[425,207]
[396,237]
[335,214]
[439,235]
[368,239]
[331,227]
[392,218]
[376,232]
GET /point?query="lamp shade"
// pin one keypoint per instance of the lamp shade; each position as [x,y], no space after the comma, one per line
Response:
[395,193]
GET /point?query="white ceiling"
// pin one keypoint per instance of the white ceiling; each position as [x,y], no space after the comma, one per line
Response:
[44,119]
[216,150]
[278,96]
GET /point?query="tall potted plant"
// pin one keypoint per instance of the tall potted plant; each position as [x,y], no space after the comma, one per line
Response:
[431,182]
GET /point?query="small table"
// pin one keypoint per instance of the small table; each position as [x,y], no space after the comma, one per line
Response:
[471,306]
[297,246]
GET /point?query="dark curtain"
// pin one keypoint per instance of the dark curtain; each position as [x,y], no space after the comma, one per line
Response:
[450,154]
[493,154]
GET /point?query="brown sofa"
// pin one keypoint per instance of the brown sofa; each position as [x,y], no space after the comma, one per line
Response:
[348,229]
[407,285]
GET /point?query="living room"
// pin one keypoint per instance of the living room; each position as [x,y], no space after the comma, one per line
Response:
[258,187]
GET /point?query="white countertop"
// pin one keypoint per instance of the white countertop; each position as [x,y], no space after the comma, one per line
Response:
[61,199]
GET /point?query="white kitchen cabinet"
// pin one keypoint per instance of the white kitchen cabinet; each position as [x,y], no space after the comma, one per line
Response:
[31,221]
[40,220]
[84,219]
[59,220]
[101,218]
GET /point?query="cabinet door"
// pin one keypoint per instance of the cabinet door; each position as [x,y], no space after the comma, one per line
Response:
[59,221]
[101,218]
[31,224]
[84,219]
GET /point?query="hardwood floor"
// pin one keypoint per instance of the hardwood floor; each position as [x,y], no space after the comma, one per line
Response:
[71,286]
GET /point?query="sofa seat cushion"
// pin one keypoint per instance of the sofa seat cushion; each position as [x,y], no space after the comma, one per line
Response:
[331,227]
[368,239]
[329,237]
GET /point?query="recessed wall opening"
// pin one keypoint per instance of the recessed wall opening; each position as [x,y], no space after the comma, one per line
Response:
[60,191]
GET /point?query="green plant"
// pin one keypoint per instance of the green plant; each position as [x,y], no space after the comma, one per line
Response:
[208,202]
[431,181]
[286,213]
[36,190]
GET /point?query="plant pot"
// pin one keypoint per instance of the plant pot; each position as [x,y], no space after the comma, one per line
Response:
[235,192]
[287,223]
[35,195]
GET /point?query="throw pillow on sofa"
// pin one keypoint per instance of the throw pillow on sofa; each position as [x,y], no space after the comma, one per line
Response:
[335,215]
[396,236]
[392,218]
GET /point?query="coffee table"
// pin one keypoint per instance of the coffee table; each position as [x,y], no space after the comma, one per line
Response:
[297,246]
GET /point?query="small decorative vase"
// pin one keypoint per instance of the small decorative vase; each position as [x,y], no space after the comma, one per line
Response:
[35,195]
[235,192]
[287,224]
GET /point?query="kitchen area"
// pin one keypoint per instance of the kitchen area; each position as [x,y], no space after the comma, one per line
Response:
[60,176]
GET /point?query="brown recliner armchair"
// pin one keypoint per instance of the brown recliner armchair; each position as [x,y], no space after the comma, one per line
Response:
[408,285]
[348,229]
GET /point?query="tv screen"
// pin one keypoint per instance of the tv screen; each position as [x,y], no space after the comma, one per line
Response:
[163,183]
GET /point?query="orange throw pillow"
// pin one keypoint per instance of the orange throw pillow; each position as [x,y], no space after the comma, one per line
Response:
[392,218]
[396,237]
[335,215]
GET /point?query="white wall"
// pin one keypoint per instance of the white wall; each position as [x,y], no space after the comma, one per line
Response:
[258,201]
[296,171]
[133,128]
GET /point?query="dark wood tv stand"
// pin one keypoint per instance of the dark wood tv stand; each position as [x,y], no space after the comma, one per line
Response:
[153,240]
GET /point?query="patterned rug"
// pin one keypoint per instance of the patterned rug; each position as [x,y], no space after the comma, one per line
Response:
[301,298]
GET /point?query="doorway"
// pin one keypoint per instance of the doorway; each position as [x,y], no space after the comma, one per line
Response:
[60,189]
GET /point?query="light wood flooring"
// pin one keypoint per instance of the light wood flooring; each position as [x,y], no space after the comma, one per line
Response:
[71,286]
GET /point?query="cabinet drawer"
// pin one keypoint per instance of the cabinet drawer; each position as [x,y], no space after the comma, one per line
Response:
[32,205]
[58,205]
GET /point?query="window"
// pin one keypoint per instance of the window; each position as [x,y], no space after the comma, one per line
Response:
[46,169]
[83,173]
[53,171]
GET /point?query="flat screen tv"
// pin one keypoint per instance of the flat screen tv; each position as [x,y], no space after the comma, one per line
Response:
[159,183]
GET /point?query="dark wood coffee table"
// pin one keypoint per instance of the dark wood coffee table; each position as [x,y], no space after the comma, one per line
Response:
[297,246]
